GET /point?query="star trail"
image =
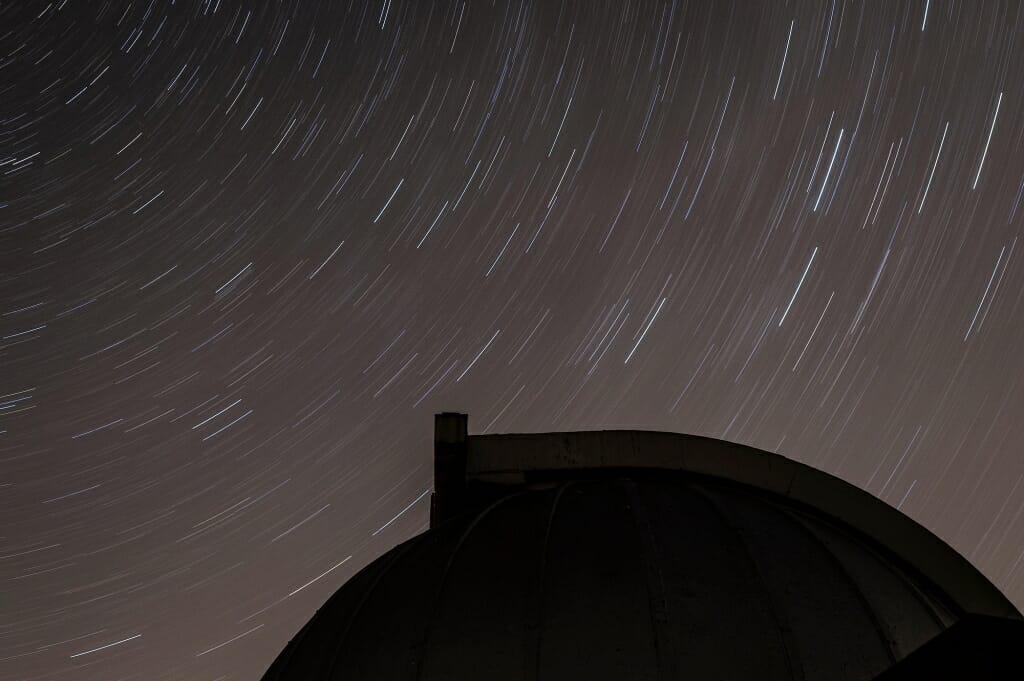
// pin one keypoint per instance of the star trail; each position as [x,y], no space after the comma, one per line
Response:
[248,249]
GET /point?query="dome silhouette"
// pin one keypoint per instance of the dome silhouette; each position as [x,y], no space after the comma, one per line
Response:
[641,555]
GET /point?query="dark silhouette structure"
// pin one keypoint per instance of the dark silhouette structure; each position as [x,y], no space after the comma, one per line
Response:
[634,555]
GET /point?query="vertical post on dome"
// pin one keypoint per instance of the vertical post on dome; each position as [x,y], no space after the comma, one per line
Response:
[450,451]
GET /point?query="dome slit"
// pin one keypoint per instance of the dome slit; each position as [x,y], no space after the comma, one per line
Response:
[657,602]
[537,622]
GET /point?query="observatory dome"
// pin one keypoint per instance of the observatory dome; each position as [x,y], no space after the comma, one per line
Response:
[638,555]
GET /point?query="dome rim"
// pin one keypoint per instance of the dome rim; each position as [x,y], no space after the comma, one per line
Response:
[519,458]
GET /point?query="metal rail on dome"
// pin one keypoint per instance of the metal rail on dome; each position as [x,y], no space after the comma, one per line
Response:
[470,470]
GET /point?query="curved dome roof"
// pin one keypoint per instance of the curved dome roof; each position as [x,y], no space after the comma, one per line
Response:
[711,564]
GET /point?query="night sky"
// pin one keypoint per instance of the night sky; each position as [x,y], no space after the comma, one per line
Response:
[247,252]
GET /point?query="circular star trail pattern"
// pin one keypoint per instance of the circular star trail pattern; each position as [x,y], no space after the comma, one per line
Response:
[249,250]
